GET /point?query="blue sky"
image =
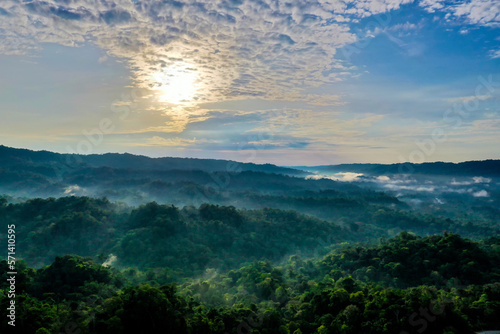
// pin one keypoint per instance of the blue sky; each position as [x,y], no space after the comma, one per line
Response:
[287,82]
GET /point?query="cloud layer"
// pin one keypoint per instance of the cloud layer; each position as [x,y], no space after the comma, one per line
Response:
[250,50]
[237,48]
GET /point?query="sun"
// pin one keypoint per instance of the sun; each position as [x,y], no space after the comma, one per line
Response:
[175,84]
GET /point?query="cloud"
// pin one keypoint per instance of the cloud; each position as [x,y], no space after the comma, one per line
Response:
[102,59]
[237,49]
[110,261]
[481,193]
[72,190]
[477,12]
[404,183]
[494,54]
[229,50]
[171,142]
[395,180]
[344,176]
[485,126]
[175,119]
[475,179]
[411,188]
[323,100]
[383,178]
[329,125]
[454,182]
[365,8]
[467,99]
[480,179]
[232,50]
[270,144]
[404,27]
[481,12]
[432,6]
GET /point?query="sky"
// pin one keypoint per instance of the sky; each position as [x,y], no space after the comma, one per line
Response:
[292,83]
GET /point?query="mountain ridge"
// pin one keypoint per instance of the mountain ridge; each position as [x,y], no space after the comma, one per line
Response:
[10,156]
[489,167]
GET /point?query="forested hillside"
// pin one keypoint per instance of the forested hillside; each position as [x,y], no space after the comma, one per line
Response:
[63,162]
[187,240]
[120,248]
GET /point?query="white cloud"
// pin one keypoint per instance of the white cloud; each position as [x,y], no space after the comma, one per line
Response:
[343,176]
[392,186]
[454,182]
[478,12]
[480,179]
[481,193]
[404,27]
[238,49]
[432,6]
[475,179]
[481,12]
[110,261]
[72,190]
[366,8]
[494,54]
[347,176]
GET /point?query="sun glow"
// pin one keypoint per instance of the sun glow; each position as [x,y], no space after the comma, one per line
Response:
[176,84]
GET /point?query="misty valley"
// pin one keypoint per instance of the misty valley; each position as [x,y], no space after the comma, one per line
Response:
[128,244]
[250,166]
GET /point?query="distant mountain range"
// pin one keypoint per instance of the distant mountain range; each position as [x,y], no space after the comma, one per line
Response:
[136,180]
[468,168]
[180,181]
[13,157]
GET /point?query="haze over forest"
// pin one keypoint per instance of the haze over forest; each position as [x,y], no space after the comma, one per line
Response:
[241,166]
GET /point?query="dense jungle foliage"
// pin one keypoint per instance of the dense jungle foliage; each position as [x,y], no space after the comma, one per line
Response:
[217,269]
[127,244]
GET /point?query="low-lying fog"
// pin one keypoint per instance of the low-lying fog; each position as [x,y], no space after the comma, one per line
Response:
[428,191]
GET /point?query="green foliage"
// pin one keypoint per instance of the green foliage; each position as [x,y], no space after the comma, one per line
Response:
[410,260]
[143,309]
[68,275]
[259,270]
[296,297]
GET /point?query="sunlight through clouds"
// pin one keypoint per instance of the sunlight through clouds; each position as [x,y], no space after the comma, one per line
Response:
[186,55]
[176,84]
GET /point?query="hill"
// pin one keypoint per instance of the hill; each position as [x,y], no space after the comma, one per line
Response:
[467,168]
[13,157]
